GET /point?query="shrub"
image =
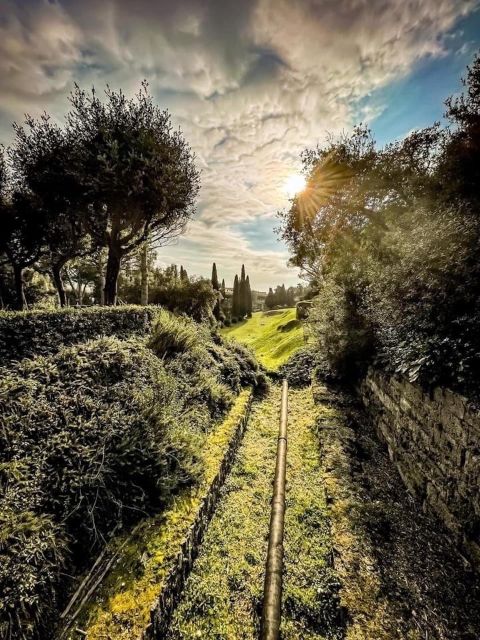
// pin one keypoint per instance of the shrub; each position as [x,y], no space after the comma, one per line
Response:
[193,297]
[93,436]
[172,335]
[299,367]
[30,333]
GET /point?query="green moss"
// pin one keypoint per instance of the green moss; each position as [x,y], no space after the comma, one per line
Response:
[274,336]
[122,606]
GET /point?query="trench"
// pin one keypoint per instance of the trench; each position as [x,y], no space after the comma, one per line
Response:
[223,595]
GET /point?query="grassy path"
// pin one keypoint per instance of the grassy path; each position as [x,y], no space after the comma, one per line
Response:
[222,598]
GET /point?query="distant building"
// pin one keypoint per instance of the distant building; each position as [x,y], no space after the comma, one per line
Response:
[258,300]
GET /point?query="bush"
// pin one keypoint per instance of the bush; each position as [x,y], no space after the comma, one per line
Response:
[30,333]
[95,436]
[193,297]
[299,367]
[172,335]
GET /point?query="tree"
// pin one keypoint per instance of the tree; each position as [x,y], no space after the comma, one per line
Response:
[215,284]
[44,160]
[223,288]
[270,299]
[291,296]
[249,297]
[236,299]
[242,294]
[192,296]
[183,274]
[144,274]
[22,239]
[459,167]
[217,311]
[138,174]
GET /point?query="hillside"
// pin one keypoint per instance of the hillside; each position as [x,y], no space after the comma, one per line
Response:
[273,335]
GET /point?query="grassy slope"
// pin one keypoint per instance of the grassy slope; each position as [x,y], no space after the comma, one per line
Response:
[223,595]
[273,335]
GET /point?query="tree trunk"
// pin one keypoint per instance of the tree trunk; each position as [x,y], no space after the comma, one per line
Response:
[101,275]
[144,274]
[58,281]
[111,277]
[18,276]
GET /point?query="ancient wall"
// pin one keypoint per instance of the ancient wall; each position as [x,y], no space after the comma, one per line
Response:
[434,440]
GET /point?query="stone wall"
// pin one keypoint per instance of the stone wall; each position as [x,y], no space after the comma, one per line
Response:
[434,441]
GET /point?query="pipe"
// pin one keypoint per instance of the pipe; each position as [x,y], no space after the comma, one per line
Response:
[272,594]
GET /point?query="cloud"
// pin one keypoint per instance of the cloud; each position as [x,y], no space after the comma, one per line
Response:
[251,83]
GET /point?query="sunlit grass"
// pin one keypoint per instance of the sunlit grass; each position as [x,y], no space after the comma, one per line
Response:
[273,335]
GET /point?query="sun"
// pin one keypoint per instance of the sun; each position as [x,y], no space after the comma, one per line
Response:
[294,184]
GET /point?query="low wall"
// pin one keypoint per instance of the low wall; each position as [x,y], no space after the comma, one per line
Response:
[165,604]
[434,441]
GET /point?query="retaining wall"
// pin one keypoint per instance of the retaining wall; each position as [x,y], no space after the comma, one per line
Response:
[434,440]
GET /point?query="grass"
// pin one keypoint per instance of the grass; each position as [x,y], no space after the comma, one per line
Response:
[122,606]
[273,335]
[223,595]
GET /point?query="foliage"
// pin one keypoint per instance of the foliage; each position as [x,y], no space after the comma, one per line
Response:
[171,336]
[391,238]
[241,306]
[32,333]
[138,173]
[299,367]
[44,160]
[191,296]
[122,606]
[86,444]
[281,297]
[96,436]
[115,176]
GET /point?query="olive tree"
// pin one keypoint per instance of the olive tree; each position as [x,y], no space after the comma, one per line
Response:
[22,239]
[44,159]
[138,173]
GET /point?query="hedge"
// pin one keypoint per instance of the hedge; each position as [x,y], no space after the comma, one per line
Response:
[32,333]
[95,436]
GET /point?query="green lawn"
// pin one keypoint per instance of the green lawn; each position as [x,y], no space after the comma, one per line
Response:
[273,335]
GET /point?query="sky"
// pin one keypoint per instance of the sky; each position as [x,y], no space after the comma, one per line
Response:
[251,83]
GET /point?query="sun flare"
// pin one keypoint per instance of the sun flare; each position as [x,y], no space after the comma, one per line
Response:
[294,184]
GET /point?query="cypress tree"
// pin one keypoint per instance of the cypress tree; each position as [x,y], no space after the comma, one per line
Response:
[223,288]
[270,299]
[249,297]
[235,298]
[242,305]
[215,284]
[216,287]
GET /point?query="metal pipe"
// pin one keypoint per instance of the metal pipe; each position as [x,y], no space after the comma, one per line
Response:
[272,594]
